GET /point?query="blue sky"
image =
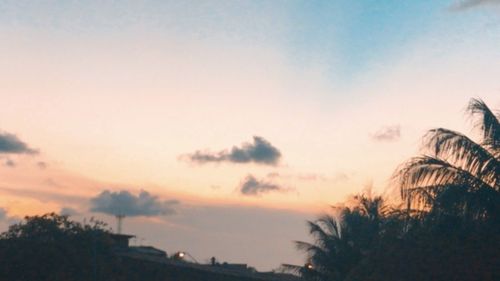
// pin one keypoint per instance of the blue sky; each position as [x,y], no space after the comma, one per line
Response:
[350,37]
[347,34]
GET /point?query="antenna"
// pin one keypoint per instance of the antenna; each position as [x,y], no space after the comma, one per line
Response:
[119,219]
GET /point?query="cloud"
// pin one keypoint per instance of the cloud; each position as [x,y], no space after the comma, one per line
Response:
[467,4]
[42,165]
[389,133]
[273,175]
[9,163]
[339,177]
[298,176]
[3,214]
[11,144]
[68,211]
[310,177]
[44,196]
[252,186]
[125,203]
[260,151]
[215,187]
[8,219]
[53,183]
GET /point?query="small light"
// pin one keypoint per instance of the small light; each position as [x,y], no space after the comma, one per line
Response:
[309,266]
[181,254]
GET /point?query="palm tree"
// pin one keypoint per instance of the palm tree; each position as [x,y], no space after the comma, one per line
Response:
[456,175]
[340,243]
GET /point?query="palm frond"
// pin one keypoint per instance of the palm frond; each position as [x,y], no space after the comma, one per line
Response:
[458,149]
[373,208]
[291,268]
[321,256]
[429,171]
[317,231]
[420,197]
[305,246]
[488,122]
[473,205]
[330,224]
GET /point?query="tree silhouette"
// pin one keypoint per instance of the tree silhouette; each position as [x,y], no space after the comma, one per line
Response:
[52,247]
[456,176]
[340,243]
[448,227]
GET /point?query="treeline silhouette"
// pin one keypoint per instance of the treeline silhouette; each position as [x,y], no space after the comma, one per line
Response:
[445,228]
[53,247]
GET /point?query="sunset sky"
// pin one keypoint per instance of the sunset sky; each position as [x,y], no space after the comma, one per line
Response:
[238,120]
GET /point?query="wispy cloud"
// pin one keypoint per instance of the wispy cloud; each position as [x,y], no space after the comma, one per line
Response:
[3,214]
[389,133]
[9,163]
[215,187]
[128,204]
[53,183]
[260,151]
[43,195]
[298,176]
[68,211]
[42,165]
[467,4]
[9,219]
[11,144]
[253,187]
[340,177]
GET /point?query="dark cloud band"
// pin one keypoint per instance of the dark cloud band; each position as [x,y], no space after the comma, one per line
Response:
[11,144]
[127,204]
[467,4]
[68,211]
[253,187]
[260,151]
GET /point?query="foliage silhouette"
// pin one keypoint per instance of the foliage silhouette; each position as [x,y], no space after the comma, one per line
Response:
[52,247]
[447,227]
[457,176]
[341,242]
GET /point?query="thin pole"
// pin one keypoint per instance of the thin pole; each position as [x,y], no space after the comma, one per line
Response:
[119,219]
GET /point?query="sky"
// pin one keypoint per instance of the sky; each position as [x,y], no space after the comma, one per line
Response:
[220,127]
